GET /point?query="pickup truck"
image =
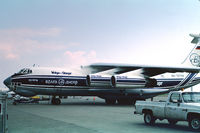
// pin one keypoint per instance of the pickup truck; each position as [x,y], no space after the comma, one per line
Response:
[180,106]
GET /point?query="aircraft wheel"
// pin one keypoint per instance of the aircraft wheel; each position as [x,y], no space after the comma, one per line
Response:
[110,101]
[56,101]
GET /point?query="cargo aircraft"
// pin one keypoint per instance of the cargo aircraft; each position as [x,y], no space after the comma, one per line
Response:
[122,83]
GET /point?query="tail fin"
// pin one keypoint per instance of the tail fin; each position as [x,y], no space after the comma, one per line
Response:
[193,59]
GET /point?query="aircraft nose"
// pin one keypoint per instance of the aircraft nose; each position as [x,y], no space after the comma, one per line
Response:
[7,81]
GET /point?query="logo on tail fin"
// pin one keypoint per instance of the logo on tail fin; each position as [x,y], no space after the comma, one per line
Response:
[195,59]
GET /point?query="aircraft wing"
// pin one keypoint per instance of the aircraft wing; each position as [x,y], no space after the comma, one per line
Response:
[146,70]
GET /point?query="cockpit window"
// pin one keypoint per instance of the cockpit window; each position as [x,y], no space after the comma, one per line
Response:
[25,71]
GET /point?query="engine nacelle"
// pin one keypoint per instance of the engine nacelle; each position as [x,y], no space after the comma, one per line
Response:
[127,82]
[98,81]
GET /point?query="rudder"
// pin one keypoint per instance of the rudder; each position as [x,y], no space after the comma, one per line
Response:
[193,59]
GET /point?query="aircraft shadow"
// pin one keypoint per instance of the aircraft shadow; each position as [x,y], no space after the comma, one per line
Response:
[78,103]
[94,104]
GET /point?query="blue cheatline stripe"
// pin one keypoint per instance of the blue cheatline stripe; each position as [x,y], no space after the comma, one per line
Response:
[49,76]
[187,79]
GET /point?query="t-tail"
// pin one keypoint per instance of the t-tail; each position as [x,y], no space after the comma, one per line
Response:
[193,59]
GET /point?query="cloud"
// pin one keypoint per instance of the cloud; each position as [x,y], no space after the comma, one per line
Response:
[80,57]
[6,51]
[41,46]
[15,43]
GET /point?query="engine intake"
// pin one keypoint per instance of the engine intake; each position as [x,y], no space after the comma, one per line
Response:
[127,82]
[98,81]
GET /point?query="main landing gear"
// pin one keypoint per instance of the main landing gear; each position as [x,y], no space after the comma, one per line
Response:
[55,101]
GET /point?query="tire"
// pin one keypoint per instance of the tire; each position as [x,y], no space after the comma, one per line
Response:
[56,101]
[172,122]
[194,123]
[149,118]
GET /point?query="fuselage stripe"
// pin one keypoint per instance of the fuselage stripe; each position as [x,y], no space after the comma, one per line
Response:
[187,79]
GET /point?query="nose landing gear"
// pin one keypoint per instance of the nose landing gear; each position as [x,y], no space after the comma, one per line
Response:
[55,101]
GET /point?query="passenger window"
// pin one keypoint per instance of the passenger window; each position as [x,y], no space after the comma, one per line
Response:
[175,98]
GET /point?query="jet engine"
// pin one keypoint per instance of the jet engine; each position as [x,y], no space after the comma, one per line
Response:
[98,81]
[127,82]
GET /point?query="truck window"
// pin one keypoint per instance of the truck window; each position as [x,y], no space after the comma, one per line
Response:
[175,98]
[191,97]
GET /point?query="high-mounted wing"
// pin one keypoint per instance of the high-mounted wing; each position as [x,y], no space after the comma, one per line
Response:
[147,71]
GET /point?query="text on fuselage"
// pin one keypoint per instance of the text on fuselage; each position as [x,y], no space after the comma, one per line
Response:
[66,73]
[61,82]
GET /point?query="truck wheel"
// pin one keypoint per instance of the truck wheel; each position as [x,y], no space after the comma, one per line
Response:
[194,123]
[149,119]
[172,122]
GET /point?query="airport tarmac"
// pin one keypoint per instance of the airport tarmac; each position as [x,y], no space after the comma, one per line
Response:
[83,115]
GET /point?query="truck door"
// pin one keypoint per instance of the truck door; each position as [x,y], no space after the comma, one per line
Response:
[173,109]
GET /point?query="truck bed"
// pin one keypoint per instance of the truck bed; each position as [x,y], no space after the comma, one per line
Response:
[157,107]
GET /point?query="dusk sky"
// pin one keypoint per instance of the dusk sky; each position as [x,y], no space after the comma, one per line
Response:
[63,33]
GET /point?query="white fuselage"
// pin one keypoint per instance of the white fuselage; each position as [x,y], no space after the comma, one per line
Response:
[54,81]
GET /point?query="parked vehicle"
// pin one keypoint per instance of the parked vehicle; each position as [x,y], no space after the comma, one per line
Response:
[180,106]
[21,99]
